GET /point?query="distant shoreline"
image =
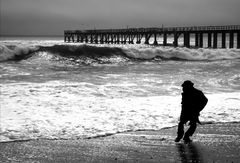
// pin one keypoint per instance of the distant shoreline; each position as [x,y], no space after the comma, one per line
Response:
[31,36]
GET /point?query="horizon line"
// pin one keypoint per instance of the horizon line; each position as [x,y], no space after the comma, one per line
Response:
[27,35]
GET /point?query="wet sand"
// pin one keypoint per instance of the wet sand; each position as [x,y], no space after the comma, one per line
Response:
[211,143]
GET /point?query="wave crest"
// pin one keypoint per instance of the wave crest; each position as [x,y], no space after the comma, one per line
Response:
[16,52]
[109,53]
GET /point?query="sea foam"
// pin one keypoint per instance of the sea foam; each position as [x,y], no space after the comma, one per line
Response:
[56,110]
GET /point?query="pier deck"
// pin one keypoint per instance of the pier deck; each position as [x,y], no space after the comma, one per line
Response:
[229,36]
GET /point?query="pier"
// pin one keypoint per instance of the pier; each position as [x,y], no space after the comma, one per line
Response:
[195,36]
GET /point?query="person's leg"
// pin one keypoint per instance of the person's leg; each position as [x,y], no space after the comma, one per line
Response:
[180,131]
[190,131]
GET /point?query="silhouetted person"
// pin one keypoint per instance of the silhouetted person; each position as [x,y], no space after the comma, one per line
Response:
[193,101]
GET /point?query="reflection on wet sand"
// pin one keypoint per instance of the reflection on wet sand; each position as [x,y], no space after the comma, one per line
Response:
[189,153]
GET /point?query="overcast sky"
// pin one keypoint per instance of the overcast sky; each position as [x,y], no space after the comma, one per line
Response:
[44,17]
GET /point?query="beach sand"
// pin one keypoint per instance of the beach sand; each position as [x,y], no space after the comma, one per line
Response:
[212,143]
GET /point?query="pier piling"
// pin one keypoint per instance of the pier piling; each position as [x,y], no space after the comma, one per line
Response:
[231,39]
[200,40]
[196,40]
[165,39]
[186,39]
[155,39]
[223,40]
[215,39]
[209,40]
[175,42]
[238,40]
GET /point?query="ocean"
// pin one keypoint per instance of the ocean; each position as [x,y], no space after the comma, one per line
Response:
[55,90]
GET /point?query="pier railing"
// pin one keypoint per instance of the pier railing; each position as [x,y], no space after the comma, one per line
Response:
[172,29]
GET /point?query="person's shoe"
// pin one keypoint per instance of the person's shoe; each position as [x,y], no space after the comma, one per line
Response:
[187,140]
[177,139]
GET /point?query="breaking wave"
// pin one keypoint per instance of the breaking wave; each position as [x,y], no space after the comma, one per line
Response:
[108,53]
